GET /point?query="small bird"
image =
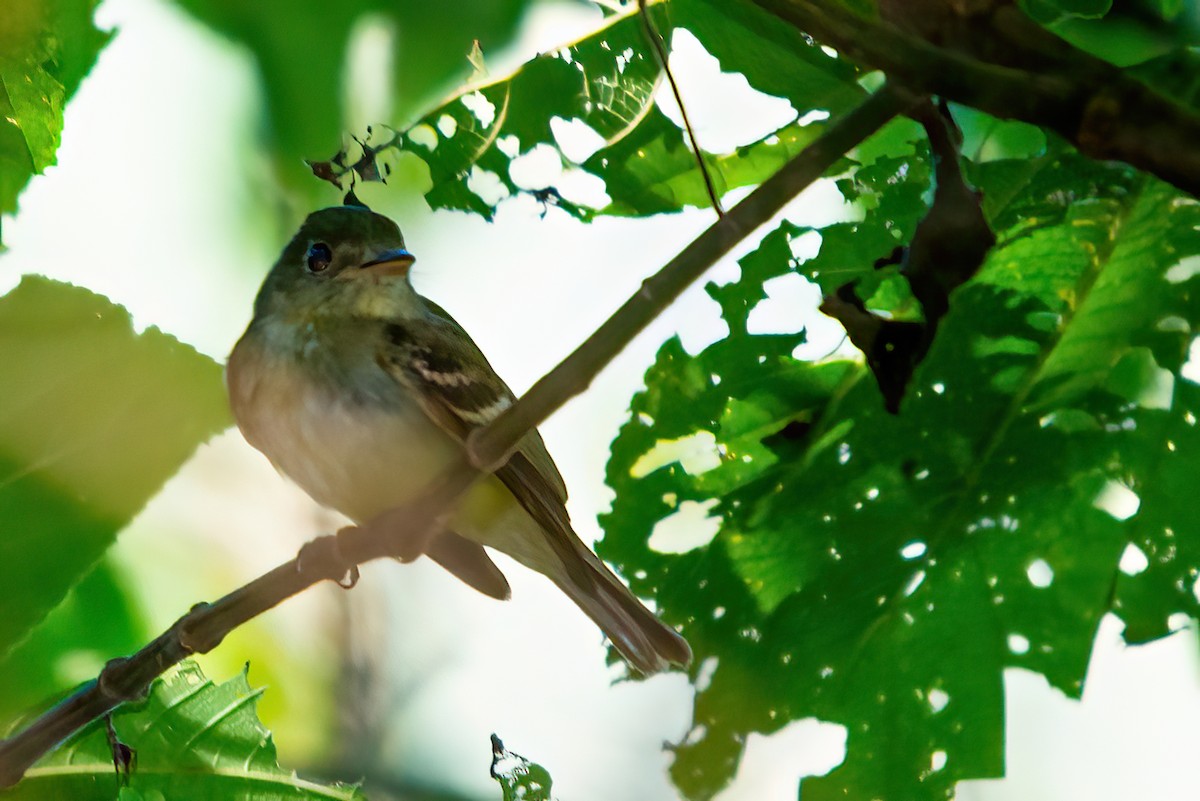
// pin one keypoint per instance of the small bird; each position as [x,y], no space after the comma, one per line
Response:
[361,391]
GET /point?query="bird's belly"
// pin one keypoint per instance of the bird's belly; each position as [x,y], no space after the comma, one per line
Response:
[358,458]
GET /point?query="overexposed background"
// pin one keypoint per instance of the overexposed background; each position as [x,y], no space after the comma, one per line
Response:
[163,202]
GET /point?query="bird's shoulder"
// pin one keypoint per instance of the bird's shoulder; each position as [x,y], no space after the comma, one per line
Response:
[433,355]
[435,359]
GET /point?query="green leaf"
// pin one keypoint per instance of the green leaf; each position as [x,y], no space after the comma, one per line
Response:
[93,420]
[45,50]
[891,191]
[652,171]
[193,739]
[1176,74]
[519,779]
[776,59]
[606,83]
[882,571]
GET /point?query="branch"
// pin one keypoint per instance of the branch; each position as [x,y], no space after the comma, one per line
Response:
[987,54]
[656,43]
[332,557]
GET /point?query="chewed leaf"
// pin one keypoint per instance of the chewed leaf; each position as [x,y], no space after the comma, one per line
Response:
[587,114]
[882,572]
[519,779]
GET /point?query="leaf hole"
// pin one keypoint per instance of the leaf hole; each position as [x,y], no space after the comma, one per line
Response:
[1040,573]
[1133,560]
[687,528]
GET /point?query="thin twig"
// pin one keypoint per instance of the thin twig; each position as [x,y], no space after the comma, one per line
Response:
[329,558]
[660,51]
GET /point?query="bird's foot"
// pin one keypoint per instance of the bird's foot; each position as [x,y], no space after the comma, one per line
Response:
[324,555]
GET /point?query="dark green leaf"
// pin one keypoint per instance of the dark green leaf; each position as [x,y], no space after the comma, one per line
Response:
[881,572]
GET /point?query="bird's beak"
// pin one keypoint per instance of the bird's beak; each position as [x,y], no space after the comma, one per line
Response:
[389,262]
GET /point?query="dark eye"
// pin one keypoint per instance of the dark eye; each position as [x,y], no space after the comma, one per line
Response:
[319,257]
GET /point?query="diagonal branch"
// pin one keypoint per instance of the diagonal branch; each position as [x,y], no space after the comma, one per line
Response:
[332,557]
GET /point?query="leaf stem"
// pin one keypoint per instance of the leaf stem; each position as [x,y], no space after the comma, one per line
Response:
[656,42]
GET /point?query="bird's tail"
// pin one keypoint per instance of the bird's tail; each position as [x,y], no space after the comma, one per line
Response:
[648,644]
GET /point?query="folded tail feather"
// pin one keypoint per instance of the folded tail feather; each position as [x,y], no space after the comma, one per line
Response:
[646,643]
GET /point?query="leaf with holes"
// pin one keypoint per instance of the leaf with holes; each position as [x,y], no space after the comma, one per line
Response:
[192,739]
[519,779]
[882,571]
[601,91]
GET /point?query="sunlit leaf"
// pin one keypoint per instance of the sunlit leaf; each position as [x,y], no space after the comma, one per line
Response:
[45,50]
[301,48]
[93,420]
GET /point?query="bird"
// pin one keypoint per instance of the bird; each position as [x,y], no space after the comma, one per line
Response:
[361,391]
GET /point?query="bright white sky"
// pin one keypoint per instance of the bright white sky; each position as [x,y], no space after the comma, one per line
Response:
[158,205]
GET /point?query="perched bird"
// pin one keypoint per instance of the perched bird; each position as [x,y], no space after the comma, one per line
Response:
[362,391]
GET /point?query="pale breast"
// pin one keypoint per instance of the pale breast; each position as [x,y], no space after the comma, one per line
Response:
[360,458]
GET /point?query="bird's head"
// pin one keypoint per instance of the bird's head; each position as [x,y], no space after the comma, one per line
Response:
[343,260]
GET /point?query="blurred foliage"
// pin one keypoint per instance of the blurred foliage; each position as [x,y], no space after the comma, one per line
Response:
[191,739]
[1125,32]
[92,624]
[301,50]
[45,50]
[93,420]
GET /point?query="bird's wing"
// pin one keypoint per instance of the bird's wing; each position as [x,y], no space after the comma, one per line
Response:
[460,377]
[453,382]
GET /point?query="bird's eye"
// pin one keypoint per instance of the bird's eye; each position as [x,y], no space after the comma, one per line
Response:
[319,257]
